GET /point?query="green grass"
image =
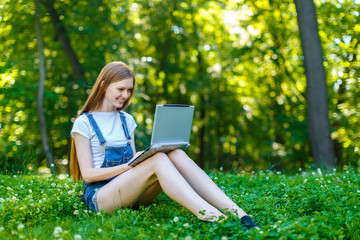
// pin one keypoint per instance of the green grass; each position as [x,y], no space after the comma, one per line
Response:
[307,205]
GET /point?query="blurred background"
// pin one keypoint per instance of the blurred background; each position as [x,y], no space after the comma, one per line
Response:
[240,63]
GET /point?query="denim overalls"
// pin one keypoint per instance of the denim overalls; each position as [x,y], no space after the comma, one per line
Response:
[113,156]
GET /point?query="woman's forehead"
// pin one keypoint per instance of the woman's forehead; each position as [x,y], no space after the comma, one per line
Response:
[126,83]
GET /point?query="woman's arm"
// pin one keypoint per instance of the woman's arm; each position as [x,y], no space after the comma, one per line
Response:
[133,143]
[88,172]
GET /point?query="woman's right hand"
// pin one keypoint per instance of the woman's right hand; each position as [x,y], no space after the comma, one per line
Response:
[136,155]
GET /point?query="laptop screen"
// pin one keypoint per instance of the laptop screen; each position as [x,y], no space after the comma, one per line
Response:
[172,124]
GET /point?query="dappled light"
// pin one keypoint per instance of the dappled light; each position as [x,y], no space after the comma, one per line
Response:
[239,62]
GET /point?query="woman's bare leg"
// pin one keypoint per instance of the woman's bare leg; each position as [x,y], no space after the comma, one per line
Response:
[202,183]
[150,194]
[126,189]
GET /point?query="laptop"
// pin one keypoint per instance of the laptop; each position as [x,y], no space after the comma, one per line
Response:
[171,130]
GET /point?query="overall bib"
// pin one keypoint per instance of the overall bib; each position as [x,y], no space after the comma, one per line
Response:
[113,156]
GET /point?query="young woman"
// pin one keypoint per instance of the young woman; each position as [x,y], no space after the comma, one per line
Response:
[103,142]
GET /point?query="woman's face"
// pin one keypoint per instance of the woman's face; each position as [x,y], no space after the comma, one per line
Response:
[116,94]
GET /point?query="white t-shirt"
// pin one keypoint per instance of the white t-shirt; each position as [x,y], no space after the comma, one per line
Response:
[111,128]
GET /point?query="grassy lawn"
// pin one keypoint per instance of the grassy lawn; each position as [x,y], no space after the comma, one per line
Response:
[306,205]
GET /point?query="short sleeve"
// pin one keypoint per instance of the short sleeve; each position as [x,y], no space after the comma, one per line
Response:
[82,126]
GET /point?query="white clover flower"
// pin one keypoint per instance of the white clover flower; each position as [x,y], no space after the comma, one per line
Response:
[186,225]
[53,184]
[76,212]
[188,238]
[77,237]
[20,226]
[57,231]
[176,219]
[157,224]
[99,230]
[2,228]
[224,238]
[30,191]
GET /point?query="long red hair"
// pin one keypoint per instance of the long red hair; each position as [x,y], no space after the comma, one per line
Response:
[112,72]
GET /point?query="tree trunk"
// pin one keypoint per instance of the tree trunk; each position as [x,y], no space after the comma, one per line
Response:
[62,37]
[40,94]
[316,91]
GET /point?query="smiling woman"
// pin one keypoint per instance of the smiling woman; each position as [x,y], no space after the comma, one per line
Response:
[103,144]
[117,94]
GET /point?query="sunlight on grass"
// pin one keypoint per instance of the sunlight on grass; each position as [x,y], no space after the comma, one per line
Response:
[309,204]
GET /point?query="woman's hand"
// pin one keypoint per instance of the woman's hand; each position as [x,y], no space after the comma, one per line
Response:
[136,155]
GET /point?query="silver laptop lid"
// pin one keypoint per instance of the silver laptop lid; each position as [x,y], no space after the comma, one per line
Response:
[172,124]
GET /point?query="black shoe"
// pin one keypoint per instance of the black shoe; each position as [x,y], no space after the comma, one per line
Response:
[248,223]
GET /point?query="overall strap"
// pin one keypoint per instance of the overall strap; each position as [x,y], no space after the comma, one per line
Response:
[123,121]
[96,128]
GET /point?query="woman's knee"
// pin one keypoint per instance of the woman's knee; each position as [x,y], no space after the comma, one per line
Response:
[159,159]
[177,153]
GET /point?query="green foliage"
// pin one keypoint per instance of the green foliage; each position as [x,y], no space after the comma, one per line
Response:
[307,205]
[238,62]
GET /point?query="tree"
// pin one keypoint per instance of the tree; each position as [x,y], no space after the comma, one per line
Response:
[62,37]
[40,95]
[316,90]
[238,62]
